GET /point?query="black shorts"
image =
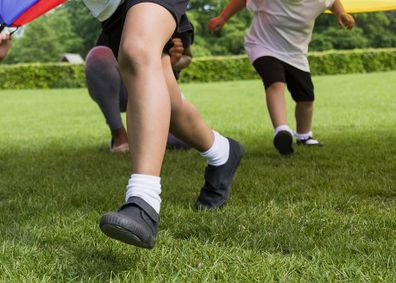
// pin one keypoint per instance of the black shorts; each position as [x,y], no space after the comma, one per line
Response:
[299,83]
[112,28]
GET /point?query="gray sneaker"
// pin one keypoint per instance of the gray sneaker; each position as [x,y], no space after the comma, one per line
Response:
[216,190]
[135,223]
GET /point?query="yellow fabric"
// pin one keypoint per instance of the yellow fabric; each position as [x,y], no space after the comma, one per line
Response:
[364,6]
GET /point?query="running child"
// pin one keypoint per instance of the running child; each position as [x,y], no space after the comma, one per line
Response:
[106,88]
[140,30]
[277,46]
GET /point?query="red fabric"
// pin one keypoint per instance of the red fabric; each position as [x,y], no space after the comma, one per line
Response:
[37,10]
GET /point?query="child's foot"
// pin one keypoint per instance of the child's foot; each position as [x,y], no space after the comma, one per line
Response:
[215,192]
[119,141]
[135,223]
[309,142]
[121,148]
[283,142]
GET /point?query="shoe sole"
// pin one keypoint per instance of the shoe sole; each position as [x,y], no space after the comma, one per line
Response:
[283,142]
[199,206]
[119,228]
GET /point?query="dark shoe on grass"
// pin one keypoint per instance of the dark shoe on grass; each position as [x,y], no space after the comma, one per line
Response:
[309,142]
[283,142]
[216,190]
[135,223]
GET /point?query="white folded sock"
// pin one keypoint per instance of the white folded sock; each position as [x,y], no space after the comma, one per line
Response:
[145,187]
[282,128]
[219,152]
[302,137]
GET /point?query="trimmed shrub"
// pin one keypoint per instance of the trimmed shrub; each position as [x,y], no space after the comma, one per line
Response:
[212,69]
[42,76]
[208,69]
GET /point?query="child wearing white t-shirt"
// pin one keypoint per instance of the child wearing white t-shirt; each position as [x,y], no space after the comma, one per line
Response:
[277,46]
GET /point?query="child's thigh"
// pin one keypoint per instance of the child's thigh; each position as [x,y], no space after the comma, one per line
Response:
[270,69]
[300,85]
[153,20]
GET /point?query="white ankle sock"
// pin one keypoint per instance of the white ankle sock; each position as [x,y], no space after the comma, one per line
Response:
[302,137]
[282,128]
[145,187]
[219,152]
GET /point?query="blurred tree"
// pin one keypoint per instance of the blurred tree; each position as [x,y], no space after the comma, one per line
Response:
[230,39]
[71,28]
[45,40]
[84,25]
[373,30]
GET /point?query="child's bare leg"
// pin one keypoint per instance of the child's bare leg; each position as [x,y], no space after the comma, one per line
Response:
[146,30]
[186,122]
[223,154]
[304,113]
[276,104]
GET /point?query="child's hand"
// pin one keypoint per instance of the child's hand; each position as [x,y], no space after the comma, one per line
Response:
[216,24]
[346,20]
[5,44]
[176,52]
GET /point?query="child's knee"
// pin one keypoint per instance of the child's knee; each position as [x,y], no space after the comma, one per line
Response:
[137,53]
[276,87]
[306,104]
[306,98]
[98,59]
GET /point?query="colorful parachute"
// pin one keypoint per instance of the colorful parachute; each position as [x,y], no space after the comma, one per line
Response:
[365,6]
[15,13]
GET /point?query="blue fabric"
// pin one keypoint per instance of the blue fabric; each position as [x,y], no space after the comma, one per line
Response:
[11,10]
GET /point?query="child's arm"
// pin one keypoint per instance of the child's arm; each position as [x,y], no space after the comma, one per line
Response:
[344,19]
[5,44]
[176,52]
[232,8]
[180,57]
[184,61]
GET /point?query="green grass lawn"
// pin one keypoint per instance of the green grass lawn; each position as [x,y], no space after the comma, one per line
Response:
[324,214]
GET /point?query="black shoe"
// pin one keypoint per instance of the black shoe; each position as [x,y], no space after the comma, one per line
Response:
[215,192]
[135,223]
[283,142]
[309,142]
[175,143]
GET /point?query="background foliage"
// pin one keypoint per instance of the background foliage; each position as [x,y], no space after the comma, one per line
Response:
[205,69]
[72,29]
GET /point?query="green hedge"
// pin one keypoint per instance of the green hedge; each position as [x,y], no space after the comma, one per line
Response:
[322,63]
[39,76]
[209,69]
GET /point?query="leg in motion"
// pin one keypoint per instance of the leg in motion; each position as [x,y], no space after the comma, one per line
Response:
[223,154]
[147,28]
[272,72]
[104,87]
[301,88]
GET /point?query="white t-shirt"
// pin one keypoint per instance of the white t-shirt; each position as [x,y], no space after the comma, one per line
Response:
[102,9]
[283,29]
